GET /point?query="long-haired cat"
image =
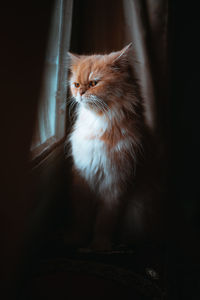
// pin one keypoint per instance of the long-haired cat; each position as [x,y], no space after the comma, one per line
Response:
[108,147]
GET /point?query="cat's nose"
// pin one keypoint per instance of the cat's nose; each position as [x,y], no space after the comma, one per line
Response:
[82,91]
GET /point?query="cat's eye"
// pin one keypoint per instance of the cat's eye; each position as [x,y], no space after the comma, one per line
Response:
[92,83]
[76,84]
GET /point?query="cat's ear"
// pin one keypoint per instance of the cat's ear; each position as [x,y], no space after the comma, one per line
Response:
[73,59]
[122,56]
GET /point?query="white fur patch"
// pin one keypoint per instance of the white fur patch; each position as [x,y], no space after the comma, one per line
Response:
[88,150]
[91,157]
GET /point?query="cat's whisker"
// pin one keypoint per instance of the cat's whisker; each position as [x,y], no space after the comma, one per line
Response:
[103,103]
[102,106]
[96,104]
[104,110]
[69,99]
[99,108]
[72,104]
[106,107]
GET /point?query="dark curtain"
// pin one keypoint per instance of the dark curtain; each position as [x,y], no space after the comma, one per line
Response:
[184,250]
[24,30]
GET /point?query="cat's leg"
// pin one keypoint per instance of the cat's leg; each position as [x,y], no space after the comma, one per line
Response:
[79,230]
[105,225]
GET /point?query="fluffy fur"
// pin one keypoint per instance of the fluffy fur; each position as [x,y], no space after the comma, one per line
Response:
[107,137]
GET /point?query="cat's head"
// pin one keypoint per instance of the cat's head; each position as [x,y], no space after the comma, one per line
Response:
[101,82]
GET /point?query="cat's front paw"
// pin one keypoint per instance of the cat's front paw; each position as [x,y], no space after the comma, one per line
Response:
[101,245]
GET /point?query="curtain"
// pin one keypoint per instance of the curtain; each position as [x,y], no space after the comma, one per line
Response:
[50,123]
[24,31]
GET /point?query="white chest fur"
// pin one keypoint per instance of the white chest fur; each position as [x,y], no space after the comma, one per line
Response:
[88,150]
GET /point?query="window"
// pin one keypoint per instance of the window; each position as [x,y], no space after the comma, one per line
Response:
[51,115]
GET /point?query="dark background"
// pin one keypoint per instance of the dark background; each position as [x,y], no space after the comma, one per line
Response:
[24,31]
[184,254]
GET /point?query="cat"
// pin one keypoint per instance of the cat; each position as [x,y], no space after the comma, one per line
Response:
[107,145]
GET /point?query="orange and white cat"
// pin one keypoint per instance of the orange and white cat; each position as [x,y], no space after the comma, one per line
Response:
[107,137]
